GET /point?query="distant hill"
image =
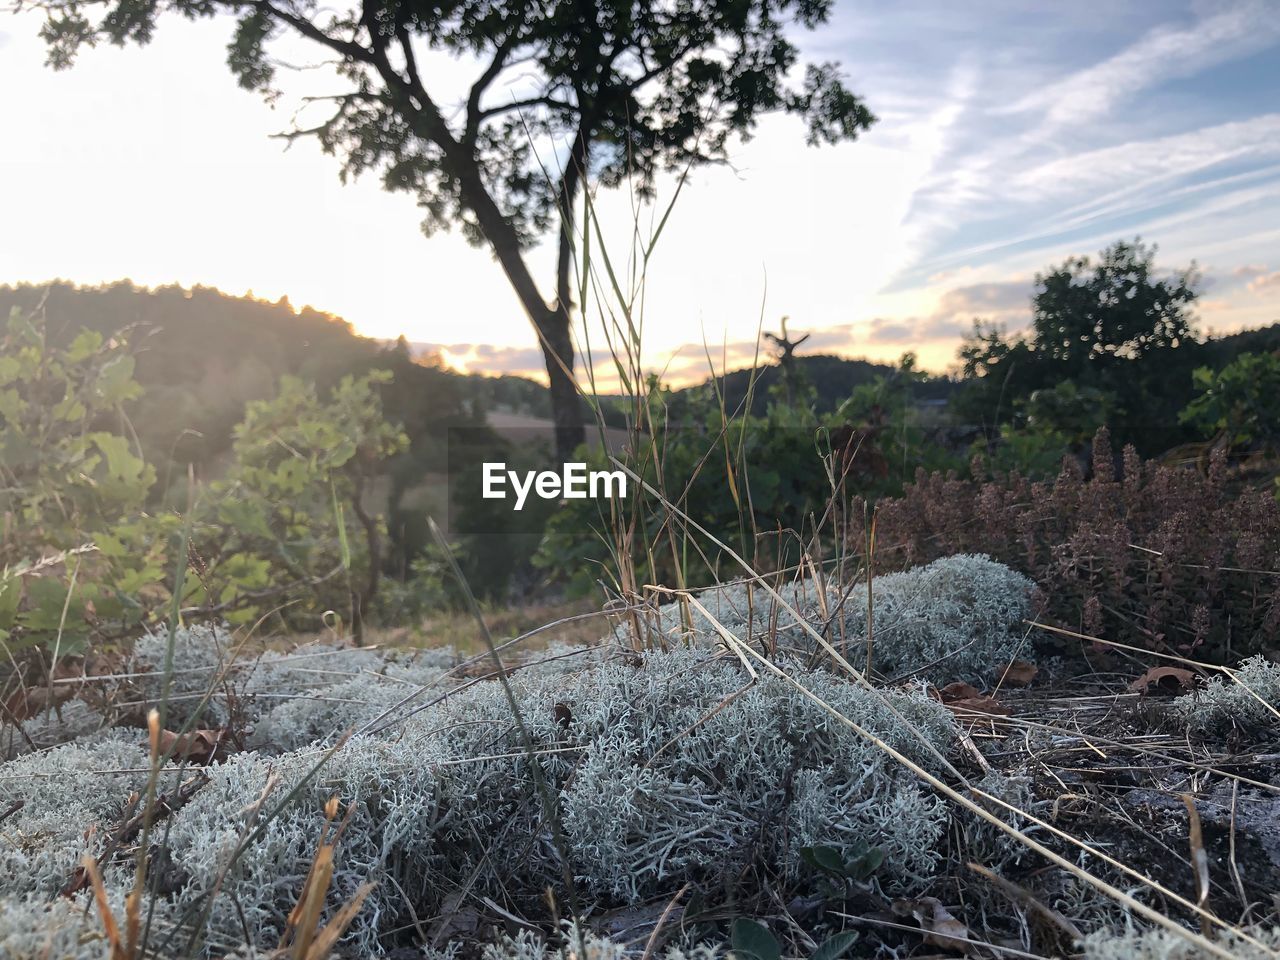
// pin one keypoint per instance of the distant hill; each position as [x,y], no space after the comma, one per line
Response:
[202,355]
[832,377]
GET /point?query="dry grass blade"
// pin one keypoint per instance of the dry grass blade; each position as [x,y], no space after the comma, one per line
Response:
[1199,858]
[311,902]
[662,922]
[969,804]
[335,928]
[109,925]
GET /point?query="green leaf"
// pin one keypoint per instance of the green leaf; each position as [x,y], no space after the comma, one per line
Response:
[115,380]
[835,946]
[10,593]
[747,937]
[868,863]
[824,858]
[69,408]
[121,464]
[84,346]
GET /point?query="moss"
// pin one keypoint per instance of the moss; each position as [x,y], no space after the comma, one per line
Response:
[648,796]
[1163,944]
[71,797]
[1248,700]
[959,618]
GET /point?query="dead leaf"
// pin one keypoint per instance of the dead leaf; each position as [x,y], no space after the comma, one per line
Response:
[939,926]
[966,698]
[564,716]
[1166,681]
[199,746]
[959,691]
[29,701]
[1019,673]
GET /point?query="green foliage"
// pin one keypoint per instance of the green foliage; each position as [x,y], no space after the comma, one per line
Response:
[77,552]
[203,356]
[280,518]
[1088,311]
[1241,401]
[1050,423]
[751,940]
[759,483]
[842,867]
[1108,336]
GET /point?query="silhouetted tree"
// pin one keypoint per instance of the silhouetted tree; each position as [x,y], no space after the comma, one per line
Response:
[1111,326]
[786,350]
[610,88]
[1088,311]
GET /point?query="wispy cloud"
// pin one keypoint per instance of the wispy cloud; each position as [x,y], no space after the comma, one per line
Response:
[1163,53]
[1265,283]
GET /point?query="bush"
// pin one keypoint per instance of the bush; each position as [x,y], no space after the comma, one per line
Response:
[1162,557]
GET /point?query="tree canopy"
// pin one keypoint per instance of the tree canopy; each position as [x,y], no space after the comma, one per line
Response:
[1088,310]
[1110,325]
[564,90]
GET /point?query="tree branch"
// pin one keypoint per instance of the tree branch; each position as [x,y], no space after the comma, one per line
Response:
[496,65]
[545,101]
[309,30]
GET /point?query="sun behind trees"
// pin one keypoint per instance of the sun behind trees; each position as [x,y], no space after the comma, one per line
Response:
[565,93]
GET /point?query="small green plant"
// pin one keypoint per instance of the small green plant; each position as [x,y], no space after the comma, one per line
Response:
[751,940]
[843,867]
[1240,402]
[292,517]
[79,555]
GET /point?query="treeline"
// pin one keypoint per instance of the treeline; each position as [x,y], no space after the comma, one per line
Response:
[242,396]
[202,356]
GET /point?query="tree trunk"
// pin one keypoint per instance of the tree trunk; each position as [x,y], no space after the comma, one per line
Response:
[566,408]
[550,321]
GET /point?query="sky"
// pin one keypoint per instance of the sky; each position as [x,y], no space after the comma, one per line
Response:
[1011,136]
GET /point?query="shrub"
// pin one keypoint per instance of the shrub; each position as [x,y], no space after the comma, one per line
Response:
[1161,556]
[79,559]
